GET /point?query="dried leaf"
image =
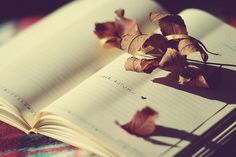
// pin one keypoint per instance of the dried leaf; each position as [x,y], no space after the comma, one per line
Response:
[188,46]
[106,29]
[158,44]
[154,44]
[142,123]
[133,43]
[168,51]
[169,24]
[141,65]
[172,60]
[111,32]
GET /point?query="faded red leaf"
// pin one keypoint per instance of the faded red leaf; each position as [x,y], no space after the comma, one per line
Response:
[106,29]
[142,123]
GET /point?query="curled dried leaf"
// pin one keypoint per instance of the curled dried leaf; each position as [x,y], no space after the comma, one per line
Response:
[143,122]
[133,43]
[169,24]
[117,29]
[141,65]
[172,60]
[155,45]
[189,46]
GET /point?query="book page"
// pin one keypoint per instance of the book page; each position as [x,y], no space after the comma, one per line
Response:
[59,52]
[113,94]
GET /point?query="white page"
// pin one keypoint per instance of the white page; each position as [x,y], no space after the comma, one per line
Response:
[59,52]
[115,94]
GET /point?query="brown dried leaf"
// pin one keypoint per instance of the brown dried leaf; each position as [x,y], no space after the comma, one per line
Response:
[174,25]
[112,32]
[133,43]
[154,44]
[142,123]
[189,46]
[169,24]
[158,44]
[172,60]
[141,65]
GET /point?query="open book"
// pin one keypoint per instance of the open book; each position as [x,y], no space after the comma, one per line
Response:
[55,80]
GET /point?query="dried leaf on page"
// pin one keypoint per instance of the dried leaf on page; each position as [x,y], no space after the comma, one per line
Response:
[141,65]
[172,60]
[189,45]
[155,45]
[142,123]
[174,28]
[133,43]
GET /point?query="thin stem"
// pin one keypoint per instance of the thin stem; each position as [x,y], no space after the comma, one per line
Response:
[192,60]
[211,63]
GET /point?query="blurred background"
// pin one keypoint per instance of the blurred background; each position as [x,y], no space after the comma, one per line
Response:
[15,9]
[15,15]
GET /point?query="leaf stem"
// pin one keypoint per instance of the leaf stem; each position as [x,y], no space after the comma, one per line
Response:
[211,63]
[141,54]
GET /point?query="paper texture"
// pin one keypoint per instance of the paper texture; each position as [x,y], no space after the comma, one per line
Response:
[115,94]
[53,56]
